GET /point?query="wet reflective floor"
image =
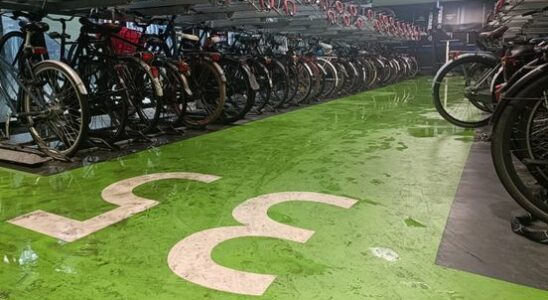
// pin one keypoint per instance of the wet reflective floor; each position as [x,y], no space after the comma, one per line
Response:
[384,164]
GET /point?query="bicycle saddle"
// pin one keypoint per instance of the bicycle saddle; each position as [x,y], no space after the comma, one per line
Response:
[155,40]
[188,37]
[214,40]
[522,50]
[91,27]
[34,26]
[538,40]
[495,34]
[325,46]
[56,35]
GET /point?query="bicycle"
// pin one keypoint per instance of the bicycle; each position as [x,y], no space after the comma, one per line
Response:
[45,96]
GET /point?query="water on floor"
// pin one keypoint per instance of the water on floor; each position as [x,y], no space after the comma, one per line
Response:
[345,200]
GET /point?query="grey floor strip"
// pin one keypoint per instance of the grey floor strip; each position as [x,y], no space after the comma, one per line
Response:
[478,237]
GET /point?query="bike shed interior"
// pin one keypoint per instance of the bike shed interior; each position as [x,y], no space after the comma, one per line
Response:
[365,195]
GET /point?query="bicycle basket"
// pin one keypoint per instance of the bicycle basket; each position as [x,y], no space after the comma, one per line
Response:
[122,46]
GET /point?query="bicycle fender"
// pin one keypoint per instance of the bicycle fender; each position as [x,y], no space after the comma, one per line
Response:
[499,75]
[218,68]
[265,69]
[79,83]
[183,78]
[186,87]
[308,69]
[533,75]
[155,81]
[252,79]
[333,69]
[353,68]
[513,91]
[324,72]
[449,64]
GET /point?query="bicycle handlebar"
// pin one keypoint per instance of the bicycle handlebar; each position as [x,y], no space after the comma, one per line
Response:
[60,19]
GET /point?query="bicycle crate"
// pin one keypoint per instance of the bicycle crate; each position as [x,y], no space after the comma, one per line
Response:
[123,46]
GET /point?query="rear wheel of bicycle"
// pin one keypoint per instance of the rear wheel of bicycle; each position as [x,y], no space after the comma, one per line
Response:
[107,99]
[174,100]
[280,84]
[342,74]
[293,83]
[208,94]
[305,80]
[321,78]
[240,96]
[331,78]
[518,148]
[317,78]
[350,78]
[145,91]
[57,110]
[263,95]
[460,87]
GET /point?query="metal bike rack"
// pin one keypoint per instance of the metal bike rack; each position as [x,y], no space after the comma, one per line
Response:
[530,26]
[309,20]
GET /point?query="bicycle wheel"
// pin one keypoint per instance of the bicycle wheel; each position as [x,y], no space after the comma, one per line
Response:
[145,94]
[174,100]
[11,45]
[305,79]
[208,94]
[321,77]
[460,87]
[518,148]
[343,76]
[331,77]
[263,95]
[350,78]
[317,78]
[57,110]
[371,73]
[240,96]
[293,83]
[280,84]
[107,98]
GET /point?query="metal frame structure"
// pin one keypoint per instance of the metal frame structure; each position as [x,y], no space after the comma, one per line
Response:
[309,20]
[528,26]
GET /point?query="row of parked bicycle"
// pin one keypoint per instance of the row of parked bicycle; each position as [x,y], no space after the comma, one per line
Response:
[506,85]
[124,79]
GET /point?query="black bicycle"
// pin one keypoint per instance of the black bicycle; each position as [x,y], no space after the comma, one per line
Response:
[45,96]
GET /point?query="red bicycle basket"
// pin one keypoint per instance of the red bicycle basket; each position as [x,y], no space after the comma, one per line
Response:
[120,46]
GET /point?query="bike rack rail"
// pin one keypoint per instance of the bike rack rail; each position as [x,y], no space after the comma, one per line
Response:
[528,26]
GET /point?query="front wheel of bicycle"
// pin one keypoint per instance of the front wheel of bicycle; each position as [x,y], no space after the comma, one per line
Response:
[11,45]
[56,109]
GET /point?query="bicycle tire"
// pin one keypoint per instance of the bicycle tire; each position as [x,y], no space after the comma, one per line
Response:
[81,109]
[146,95]
[504,153]
[4,40]
[438,102]
[209,94]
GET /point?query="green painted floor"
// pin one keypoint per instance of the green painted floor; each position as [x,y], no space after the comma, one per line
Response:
[387,148]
